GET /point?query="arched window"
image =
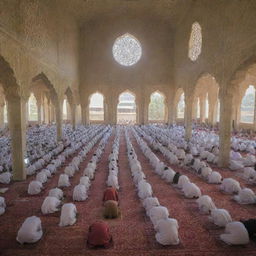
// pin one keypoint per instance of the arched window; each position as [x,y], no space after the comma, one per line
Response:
[181,106]
[127,50]
[247,105]
[195,42]
[65,109]
[32,108]
[96,107]
[156,108]
[198,108]
[207,106]
[126,109]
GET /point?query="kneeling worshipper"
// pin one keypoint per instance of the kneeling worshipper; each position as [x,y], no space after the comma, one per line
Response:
[235,234]
[30,231]
[110,194]
[245,196]
[111,210]
[99,236]
[167,232]
[205,204]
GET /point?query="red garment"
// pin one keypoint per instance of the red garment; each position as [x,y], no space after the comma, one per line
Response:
[99,235]
[110,194]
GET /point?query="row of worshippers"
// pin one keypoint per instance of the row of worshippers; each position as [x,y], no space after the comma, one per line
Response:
[221,217]
[166,228]
[112,180]
[50,152]
[229,185]
[36,185]
[189,189]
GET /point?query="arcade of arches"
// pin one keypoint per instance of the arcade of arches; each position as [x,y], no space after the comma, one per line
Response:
[77,63]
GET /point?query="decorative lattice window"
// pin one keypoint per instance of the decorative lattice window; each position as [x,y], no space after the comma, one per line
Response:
[127,50]
[195,42]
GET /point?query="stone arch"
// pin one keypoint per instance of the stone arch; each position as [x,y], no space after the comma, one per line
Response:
[154,116]
[127,114]
[207,90]
[179,104]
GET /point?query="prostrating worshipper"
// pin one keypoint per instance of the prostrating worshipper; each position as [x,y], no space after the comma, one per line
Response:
[191,190]
[149,203]
[249,173]
[157,213]
[235,234]
[99,236]
[2,205]
[41,177]
[176,178]
[145,190]
[5,177]
[206,171]
[110,194]
[113,181]
[56,192]
[111,209]
[50,205]
[230,186]
[35,187]
[30,231]
[167,232]
[68,215]
[214,178]
[80,193]
[205,204]
[236,165]
[245,196]
[250,226]
[168,174]
[220,217]
[63,181]
[85,181]
[183,179]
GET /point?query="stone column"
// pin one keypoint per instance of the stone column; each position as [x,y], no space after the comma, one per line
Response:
[73,115]
[188,115]
[1,115]
[58,114]
[202,108]
[254,120]
[225,126]
[16,122]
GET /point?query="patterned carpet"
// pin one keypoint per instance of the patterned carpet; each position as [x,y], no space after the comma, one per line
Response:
[133,233]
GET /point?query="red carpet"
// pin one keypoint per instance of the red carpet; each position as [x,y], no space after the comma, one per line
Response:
[133,234]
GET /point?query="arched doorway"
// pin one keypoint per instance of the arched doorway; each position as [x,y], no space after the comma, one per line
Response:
[126,108]
[96,107]
[156,108]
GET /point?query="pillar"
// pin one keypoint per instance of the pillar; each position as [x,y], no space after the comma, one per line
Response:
[254,120]
[225,126]
[202,109]
[73,115]
[16,122]
[1,115]
[188,116]
[58,116]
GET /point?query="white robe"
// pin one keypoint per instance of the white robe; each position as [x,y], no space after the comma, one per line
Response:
[214,178]
[149,203]
[63,181]
[5,177]
[220,217]
[56,192]
[50,205]
[157,213]
[145,191]
[235,234]
[206,171]
[30,231]
[80,193]
[35,187]
[229,185]
[41,177]
[183,179]
[167,232]
[85,181]
[113,181]
[205,204]
[191,190]
[68,215]
[245,196]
